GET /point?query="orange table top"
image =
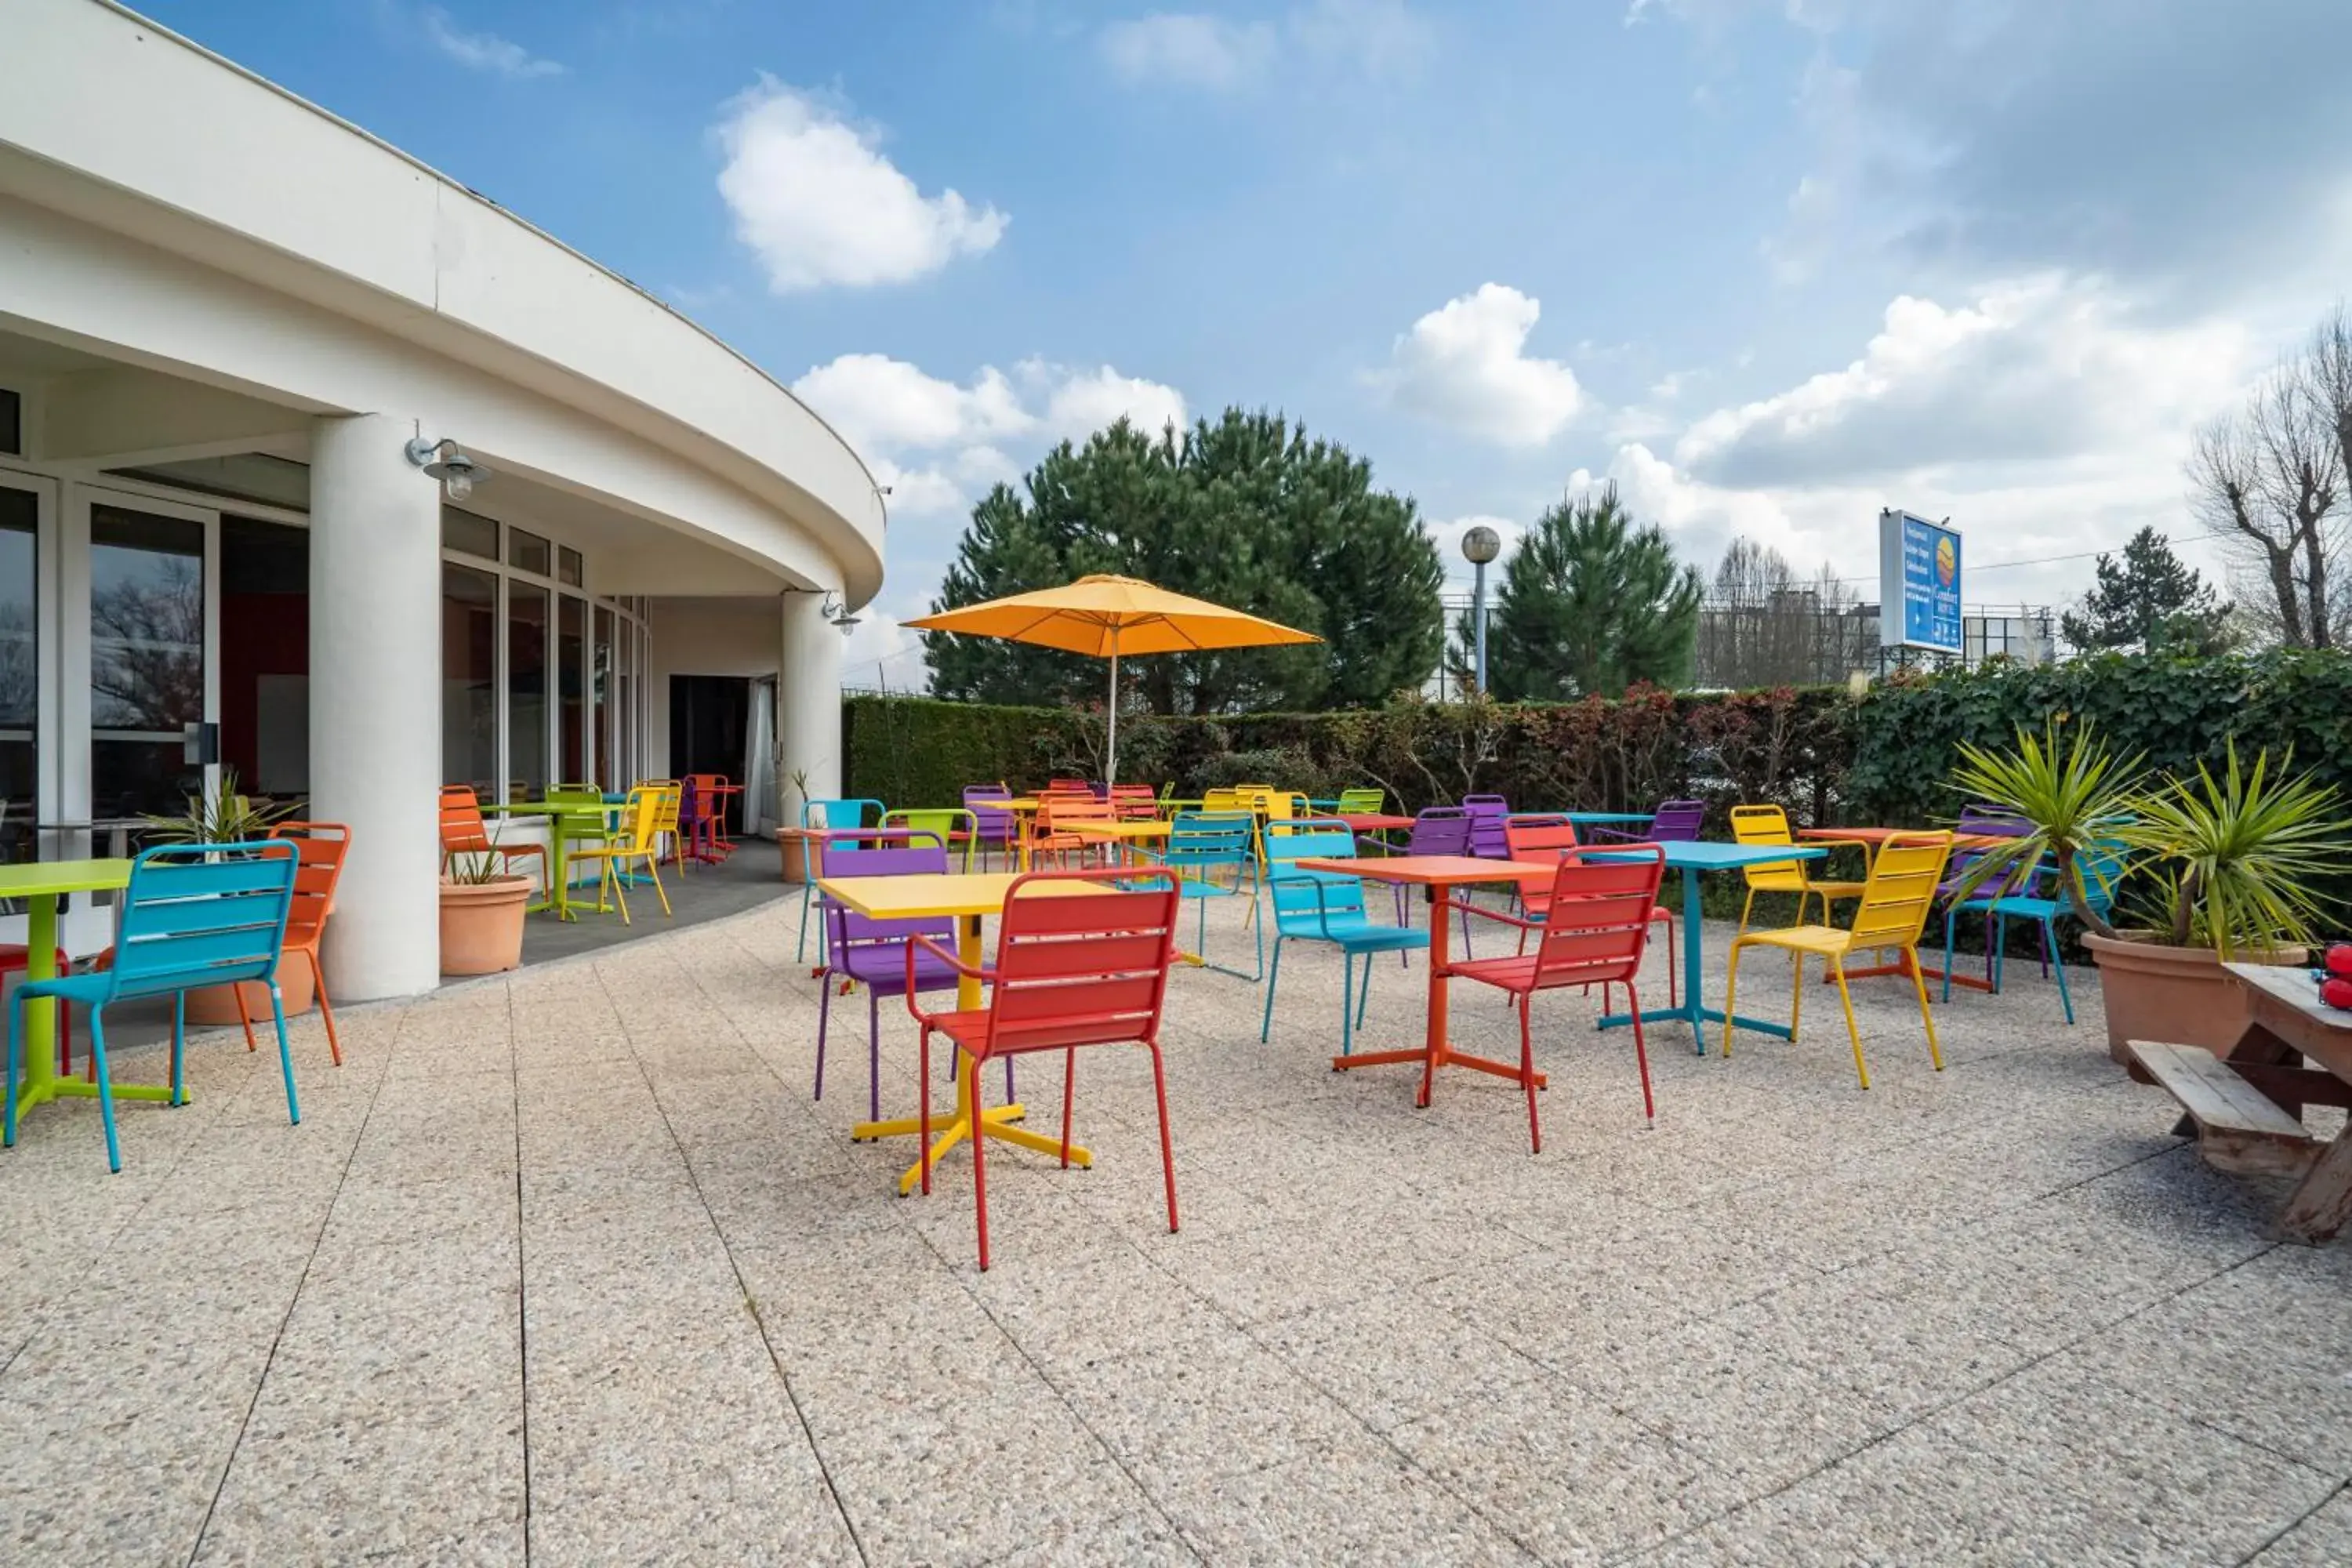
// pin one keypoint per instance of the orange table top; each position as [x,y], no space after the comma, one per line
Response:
[1880,835]
[1430,870]
[1370,821]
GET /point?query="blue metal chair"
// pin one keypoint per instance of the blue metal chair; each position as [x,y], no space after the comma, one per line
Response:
[192,915]
[2101,867]
[826,814]
[1325,906]
[1200,845]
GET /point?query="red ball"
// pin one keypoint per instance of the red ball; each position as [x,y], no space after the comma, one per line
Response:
[2337,994]
[2339,959]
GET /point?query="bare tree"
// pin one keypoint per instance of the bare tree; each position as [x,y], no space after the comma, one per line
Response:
[1765,626]
[2270,479]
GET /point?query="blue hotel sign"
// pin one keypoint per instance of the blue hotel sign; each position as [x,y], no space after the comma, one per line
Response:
[1918,583]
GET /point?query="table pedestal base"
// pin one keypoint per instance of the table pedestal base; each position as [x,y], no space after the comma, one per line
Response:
[30,1094]
[996,1122]
[1429,1061]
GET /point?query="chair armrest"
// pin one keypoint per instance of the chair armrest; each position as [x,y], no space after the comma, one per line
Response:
[1619,834]
[1470,909]
[962,969]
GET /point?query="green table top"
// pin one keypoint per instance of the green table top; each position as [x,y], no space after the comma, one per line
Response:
[58,877]
[555,808]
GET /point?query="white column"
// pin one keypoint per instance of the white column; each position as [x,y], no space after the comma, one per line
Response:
[375,700]
[808,697]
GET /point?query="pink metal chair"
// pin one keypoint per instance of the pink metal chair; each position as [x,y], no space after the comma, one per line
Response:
[1070,972]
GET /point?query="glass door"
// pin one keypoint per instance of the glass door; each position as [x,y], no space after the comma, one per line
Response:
[27,506]
[151,621]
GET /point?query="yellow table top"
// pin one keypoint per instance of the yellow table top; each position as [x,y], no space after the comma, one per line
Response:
[933,894]
[1134,828]
[49,879]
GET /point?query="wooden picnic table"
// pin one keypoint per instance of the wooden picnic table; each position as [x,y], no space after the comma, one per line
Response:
[2246,1107]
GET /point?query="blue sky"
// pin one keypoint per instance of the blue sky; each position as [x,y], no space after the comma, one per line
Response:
[1769,264]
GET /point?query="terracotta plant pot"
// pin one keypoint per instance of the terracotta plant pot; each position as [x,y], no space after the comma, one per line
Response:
[481,924]
[217,1005]
[795,858]
[2179,995]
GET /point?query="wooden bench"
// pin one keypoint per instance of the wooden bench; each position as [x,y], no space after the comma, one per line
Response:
[2239,1127]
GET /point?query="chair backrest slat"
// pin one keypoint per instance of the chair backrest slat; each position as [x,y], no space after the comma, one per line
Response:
[203,915]
[992,822]
[1489,813]
[1439,830]
[1086,969]
[844,928]
[1901,890]
[1597,919]
[1306,902]
[1362,802]
[1767,825]
[462,828]
[1678,822]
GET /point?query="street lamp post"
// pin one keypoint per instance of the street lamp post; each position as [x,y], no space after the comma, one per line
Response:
[1479,546]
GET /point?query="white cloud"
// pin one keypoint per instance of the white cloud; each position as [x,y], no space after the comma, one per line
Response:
[1078,402]
[482,51]
[1188,50]
[1464,365]
[1375,38]
[2034,370]
[815,199]
[886,405]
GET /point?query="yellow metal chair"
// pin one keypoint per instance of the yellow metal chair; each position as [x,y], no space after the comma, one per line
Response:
[642,818]
[1894,911]
[1769,825]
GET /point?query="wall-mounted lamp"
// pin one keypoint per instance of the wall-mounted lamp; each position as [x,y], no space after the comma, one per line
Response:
[446,461]
[838,613]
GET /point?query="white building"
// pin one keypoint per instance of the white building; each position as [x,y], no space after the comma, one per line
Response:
[224,316]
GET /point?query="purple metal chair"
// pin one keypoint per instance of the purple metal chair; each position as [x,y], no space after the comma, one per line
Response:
[874,953]
[1487,815]
[1439,830]
[1674,822]
[1978,817]
[994,826]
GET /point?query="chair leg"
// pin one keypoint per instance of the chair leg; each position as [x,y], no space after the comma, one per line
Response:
[326,1008]
[1797,991]
[1853,1031]
[179,1046]
[1951,915]
[1364,990]
[873,1053]
[1069,1088]
[923,1107]
[1673,970]
[978,1163]
[2050,945]
[824,1018]
[1347,995]
[9,1080]
[1167,1149]
[1996,943]
[1731,994]
[800,953]
[1528,1073]
[621,895]
[1641,1052]
[1749,903]
[284,1056]
[1935,1054]
[1273,979]
[237,992]
[658,891]
[105,1087]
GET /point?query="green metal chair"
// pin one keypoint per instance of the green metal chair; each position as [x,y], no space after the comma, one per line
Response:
[958,829]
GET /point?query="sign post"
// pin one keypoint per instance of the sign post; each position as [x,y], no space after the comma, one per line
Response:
[1918,583]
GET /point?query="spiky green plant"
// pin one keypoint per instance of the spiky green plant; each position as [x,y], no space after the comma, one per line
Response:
[221,815]
[2074,792]
[2238,853]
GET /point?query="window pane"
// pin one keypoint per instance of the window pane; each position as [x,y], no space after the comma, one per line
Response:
[567,562]
[526,552]
[600,724]
[146,659]
[572,647]
[526,688]
[265,653]
[469,691]
[473,534]
[19,668]
[632,768]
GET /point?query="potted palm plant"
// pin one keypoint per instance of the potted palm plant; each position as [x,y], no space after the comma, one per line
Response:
[223,816]
[482,907]
[2232,859]
[793,794]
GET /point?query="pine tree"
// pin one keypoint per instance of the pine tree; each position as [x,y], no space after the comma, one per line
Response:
[1591,602]
[1246,511]
[2150,600]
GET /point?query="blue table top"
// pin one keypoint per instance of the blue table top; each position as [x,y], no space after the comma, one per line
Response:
[1605,818]
[1704,855]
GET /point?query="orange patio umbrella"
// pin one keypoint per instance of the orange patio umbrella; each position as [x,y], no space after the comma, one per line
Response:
[1104,618]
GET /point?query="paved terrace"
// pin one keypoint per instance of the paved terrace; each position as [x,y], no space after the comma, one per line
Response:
[567,1268]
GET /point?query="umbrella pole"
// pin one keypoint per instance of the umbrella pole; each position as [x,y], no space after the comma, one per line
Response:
[1111,764]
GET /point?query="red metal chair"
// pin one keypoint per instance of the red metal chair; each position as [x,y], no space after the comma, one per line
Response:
[1596,923]
[1087,969]
[1543,837]
[1135,802]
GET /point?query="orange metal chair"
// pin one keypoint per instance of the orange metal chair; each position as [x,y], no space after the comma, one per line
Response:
[463,832]
[1596,923]
[1543,839]
[1056,813]
[319,851]
[1070,972]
